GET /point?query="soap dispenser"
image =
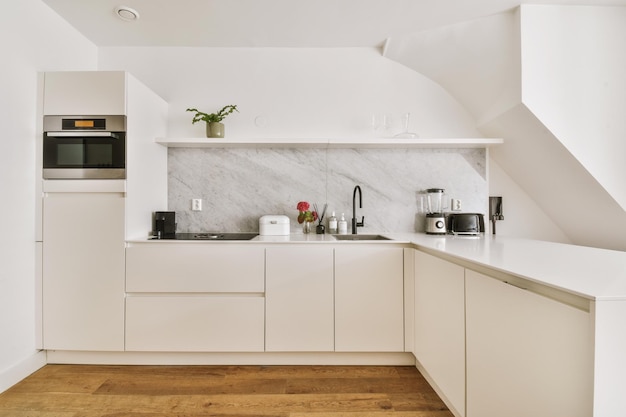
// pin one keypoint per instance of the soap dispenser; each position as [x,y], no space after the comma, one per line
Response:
[343,225]
[332,224]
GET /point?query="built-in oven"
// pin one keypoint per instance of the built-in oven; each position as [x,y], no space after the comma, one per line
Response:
[76,147]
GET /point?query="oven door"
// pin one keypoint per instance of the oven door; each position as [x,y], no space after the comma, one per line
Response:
[76,154]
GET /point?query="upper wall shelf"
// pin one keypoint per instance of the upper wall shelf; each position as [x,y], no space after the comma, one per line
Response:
[328,143]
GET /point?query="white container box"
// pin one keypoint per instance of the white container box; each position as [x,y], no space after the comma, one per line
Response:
[274,225]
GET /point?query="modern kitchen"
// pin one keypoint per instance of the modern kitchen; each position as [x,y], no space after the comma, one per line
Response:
[461,170]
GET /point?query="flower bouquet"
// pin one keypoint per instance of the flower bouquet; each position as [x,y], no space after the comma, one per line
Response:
[306,216]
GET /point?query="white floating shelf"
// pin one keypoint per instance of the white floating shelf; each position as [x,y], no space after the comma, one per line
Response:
[328,143]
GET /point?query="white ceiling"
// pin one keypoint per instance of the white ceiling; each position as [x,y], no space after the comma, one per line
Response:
[274,23]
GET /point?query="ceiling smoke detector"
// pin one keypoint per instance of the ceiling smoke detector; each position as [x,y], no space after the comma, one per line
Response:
[126,13]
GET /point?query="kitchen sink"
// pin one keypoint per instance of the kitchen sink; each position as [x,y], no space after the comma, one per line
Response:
[361,237]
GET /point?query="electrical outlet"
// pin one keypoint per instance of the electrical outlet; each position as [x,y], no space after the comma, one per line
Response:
[456,204]
[196,204]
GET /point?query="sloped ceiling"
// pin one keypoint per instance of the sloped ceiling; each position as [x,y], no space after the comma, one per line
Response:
[477,61]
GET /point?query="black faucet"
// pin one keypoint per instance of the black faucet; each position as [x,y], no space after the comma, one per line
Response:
[356,224]
[495,212]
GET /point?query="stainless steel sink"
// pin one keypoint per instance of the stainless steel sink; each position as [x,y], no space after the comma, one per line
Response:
[360,237]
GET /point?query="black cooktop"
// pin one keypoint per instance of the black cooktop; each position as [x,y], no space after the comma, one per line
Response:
[208,236]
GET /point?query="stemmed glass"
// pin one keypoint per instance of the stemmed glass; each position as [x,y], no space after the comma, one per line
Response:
[406,134]
[380,123]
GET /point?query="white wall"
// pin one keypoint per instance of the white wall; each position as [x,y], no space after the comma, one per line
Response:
[298,92]
[522,216]
[33,39]
[573,80]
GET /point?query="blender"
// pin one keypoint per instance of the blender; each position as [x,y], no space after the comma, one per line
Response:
[435,219]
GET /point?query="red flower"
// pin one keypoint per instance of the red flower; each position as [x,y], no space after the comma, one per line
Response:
[305,215]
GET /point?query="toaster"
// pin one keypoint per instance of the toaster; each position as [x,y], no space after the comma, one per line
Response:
[466,223]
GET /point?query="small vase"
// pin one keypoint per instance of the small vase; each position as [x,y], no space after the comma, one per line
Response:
[215,130]
[306,227]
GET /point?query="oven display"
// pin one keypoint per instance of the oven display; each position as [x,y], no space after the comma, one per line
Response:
[83,124]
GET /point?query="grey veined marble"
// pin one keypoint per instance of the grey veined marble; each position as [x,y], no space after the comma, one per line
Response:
[238,185]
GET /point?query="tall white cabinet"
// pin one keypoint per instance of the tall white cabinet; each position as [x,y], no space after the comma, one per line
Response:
[85,223]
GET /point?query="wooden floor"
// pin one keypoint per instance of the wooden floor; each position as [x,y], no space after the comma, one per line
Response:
[175,391]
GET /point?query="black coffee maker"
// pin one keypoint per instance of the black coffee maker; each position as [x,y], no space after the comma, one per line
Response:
[164,224]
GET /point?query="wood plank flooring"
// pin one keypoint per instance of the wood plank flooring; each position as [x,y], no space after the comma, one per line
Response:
[195,391]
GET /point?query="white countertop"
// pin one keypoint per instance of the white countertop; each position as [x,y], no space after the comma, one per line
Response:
[596,274]
[593,273]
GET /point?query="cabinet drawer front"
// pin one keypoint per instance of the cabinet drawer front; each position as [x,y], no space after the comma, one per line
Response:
[195,268]
[195,324]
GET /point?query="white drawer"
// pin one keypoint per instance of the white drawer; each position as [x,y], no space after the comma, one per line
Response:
[195,267]
[195,324]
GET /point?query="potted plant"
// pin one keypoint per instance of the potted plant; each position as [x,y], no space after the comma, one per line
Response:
[214,125]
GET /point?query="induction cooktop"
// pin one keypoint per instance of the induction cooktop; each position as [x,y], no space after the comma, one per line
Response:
[208,236]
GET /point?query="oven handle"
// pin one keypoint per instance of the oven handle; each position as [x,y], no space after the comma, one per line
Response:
[85,135]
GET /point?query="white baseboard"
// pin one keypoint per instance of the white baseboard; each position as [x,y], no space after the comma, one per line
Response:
[225,358]
[21,370]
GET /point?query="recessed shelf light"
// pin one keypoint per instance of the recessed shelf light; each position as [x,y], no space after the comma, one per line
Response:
[126,13]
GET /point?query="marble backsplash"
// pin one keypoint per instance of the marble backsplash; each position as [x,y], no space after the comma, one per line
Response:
[239,185]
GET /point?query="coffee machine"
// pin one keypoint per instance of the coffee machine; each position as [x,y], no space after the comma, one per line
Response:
[435,219]
[164,224]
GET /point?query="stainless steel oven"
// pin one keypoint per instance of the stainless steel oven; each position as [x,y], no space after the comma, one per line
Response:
[76,147]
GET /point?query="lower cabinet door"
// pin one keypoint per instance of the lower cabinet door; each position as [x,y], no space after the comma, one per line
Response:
[527,355]
[195,323]
[440,326]
[369,299]
[83,271]
[299,299]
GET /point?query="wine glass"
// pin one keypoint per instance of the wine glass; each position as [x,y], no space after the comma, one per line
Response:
[406,134]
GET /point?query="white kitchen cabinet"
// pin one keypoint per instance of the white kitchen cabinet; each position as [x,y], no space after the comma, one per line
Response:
[299,298]
[439,344]
[194,323]
[196,296]
[195,267]
[369,301]
[527,354]
[83,271]
[84,93]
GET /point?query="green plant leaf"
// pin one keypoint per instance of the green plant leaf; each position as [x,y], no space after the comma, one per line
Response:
[213,117]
